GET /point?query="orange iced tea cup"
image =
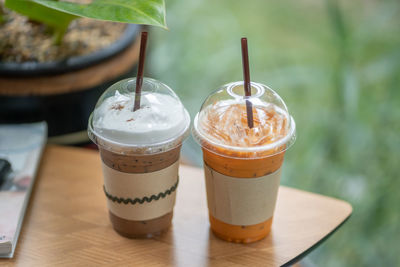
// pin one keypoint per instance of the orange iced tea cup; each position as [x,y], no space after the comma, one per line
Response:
[242,165]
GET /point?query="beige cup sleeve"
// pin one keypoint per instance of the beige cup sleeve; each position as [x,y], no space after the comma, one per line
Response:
[141,186]
[241,201]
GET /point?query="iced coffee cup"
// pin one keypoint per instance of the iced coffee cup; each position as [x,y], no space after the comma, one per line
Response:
[242,165]
[140,153]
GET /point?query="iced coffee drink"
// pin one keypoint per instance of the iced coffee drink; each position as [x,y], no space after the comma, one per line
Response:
[242,165]
[140,153]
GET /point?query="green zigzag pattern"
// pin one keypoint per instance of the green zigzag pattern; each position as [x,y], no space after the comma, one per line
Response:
[141,200]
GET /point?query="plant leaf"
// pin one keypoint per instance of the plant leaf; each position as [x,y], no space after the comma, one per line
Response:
[55,19]
[150,12]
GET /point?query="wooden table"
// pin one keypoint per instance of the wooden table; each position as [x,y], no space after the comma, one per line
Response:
[67,223]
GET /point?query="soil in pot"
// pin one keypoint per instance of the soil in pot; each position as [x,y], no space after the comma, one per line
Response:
[22,40]
[64,93]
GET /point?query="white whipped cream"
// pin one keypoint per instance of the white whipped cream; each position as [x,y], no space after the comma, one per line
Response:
[160,118]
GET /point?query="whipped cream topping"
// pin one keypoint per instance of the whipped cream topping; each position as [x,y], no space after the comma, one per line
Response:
[160,118]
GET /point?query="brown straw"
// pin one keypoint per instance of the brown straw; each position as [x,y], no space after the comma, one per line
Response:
[247,85]
[139,76]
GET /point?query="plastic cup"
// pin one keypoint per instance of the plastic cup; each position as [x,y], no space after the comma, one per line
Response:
[140,154]
[242,165]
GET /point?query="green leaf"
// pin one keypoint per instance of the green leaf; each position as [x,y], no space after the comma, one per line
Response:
[55,19]
[149,12]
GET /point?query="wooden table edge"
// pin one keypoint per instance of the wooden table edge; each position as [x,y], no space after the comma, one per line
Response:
[313,247]
[345,204]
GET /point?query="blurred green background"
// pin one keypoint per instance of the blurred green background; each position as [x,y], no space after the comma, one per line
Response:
[337,66]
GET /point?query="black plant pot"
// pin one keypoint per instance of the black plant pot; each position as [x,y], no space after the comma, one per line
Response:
[64,93]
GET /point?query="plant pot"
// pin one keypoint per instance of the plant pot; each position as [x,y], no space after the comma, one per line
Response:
[63,93]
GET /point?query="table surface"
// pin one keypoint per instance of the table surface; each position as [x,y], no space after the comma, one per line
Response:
[67,223]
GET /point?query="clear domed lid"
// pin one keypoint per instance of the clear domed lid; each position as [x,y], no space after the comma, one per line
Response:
[160,124]
[222,122]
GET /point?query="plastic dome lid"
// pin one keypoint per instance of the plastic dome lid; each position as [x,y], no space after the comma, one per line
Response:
[161,123]
[221,124]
